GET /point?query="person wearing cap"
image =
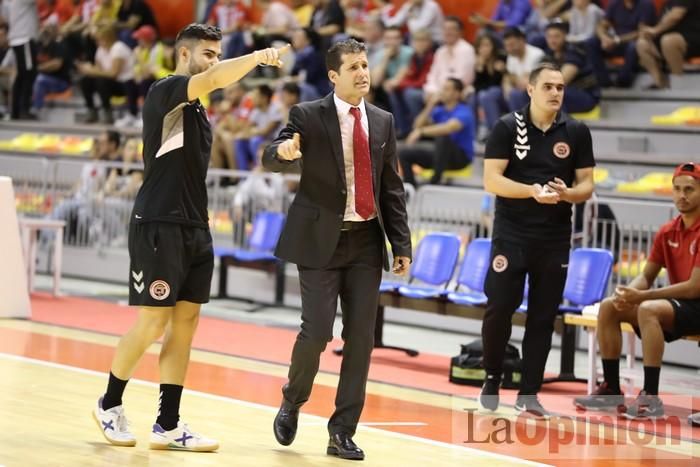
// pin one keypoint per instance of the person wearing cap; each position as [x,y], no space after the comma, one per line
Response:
[582,89]
[656,314]
[151,58]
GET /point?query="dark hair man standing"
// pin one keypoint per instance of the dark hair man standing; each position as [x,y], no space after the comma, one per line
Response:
[538,162]
[350,197]
[170,246]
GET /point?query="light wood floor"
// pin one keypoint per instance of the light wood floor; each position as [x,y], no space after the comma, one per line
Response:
[46,409]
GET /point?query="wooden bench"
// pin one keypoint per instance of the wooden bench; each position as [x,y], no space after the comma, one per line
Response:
[590,323]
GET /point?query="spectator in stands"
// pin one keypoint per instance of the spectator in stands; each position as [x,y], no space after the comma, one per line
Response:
[543,11]
[419,15]
[233,18]
[152,58]
[111,75]
[231,116]
[290,95]
[118,194]
[521,59]
[132,15]
[489,74]
[328,20]
[309,66]
[509,13]
[277,23]
[405,90]
[356,18]
[264,123]
[374,38]
[78,208]
[675,38]
[303,11]
[390,60]
[454,59]
[60,11]
[582,90]
[584,17]
[657,314]
[54,69]
[616,36]
[23,32]
[451,125]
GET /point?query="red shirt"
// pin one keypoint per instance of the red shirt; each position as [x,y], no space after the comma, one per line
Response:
[677,249]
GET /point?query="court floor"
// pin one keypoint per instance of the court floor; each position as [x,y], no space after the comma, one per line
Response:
[52,371]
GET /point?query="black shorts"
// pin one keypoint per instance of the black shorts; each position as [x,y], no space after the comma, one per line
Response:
[169,262]
[686,320]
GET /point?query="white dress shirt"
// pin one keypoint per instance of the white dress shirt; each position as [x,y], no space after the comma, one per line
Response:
[347,125]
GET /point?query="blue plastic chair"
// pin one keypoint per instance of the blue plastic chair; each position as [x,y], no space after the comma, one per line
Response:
[472,274]
[434,264]
[587,281]
[267,227]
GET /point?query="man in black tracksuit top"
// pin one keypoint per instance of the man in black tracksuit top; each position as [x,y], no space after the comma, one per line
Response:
[538,162]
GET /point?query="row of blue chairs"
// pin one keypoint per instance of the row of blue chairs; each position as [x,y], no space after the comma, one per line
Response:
[437,256]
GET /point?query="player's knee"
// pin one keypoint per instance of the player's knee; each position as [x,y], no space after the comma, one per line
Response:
[607,312]
[671,43]
[647,314]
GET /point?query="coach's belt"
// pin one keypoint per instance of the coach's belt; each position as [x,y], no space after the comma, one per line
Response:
[352,225]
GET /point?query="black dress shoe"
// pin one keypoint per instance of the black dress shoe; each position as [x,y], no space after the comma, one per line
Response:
[285,425]
[341,445]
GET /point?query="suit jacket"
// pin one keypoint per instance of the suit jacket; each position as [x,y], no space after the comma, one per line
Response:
[312,229]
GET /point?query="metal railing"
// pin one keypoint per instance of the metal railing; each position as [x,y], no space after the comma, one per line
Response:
[73,190]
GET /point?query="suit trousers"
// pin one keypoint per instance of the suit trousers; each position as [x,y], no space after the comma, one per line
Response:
[353,274]
[504,287]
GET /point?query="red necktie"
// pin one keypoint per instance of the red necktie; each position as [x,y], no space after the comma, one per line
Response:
[364,195]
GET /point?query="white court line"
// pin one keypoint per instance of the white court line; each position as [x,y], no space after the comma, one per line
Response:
[270,409]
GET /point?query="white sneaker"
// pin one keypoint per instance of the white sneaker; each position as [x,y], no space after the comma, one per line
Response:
[126,121]
[113,425]
[181,439]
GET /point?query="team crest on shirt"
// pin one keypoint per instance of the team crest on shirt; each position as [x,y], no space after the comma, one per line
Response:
[562,150]
[693,247]
[159,290]
[500,263]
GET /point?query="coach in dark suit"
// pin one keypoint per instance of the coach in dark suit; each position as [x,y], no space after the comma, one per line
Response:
[350,197]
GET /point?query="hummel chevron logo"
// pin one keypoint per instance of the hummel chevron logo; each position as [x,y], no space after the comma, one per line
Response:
[521,140]
[138,284]
[521,153]
[518,116]
[522,131]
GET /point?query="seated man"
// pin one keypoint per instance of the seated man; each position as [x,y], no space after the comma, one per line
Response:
[452,129]
[582,90]
[674,38]
[616,36]
[656,314]
[264,122]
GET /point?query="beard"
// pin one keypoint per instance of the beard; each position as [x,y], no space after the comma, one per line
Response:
[195,68]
